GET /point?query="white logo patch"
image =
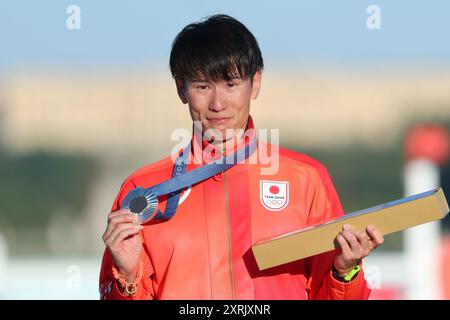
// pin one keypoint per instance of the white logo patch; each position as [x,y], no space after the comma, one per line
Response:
[274,195]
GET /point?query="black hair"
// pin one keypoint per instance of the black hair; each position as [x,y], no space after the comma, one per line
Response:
[218,48]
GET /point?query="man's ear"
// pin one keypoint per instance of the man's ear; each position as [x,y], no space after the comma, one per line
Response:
[256,84]
[181,89]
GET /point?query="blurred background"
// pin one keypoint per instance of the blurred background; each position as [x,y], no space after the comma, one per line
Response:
[86,97]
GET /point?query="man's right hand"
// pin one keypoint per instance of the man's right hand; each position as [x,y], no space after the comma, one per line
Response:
[124,242]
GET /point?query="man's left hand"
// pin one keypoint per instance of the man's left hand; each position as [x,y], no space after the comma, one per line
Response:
[355,245]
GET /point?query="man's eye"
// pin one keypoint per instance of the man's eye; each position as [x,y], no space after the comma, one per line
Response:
[231,84]
[202,87]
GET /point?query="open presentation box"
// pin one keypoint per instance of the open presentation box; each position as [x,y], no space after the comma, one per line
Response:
[388,218]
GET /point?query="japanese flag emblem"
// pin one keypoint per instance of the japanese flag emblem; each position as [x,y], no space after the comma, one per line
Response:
[274,195]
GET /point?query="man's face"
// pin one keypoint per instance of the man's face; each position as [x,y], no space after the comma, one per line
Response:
[220,105]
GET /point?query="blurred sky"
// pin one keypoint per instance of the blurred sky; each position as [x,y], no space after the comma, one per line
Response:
[126,33]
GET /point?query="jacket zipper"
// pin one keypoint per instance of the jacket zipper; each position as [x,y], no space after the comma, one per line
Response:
[229,235]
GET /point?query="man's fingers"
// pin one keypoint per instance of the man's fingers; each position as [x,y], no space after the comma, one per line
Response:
[354,238]
[117,213]
[346,251]
[363,239]
[119,228]
[116,220]
[376,237]
[347,227]
[351,240]
[122,235]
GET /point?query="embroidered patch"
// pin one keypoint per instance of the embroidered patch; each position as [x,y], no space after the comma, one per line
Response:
[274,195]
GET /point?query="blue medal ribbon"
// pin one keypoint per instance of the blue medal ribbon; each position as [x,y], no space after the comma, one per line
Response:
[144,202]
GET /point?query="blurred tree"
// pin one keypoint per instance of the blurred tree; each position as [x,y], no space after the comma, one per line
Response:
[33,185]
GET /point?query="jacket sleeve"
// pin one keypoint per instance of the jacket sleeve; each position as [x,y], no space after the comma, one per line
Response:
[321,284]
[108,287]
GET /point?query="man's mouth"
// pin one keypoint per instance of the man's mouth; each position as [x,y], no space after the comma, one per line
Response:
[218,120]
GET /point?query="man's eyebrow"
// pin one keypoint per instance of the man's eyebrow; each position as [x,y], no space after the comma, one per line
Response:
[199,80]
[231,78]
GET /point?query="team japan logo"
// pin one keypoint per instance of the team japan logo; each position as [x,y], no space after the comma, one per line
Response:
[274,195]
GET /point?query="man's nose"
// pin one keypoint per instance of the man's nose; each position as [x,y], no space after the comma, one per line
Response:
[218,102]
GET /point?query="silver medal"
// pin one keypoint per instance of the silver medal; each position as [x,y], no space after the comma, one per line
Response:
[142,202]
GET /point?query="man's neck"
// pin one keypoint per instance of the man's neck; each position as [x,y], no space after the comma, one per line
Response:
[230,141]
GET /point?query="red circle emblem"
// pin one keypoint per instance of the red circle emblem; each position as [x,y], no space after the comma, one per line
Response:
[274,189]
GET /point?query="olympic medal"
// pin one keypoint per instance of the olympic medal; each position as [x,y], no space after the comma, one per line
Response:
[142,202]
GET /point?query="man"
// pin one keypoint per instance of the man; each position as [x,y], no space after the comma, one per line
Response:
[204,250]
